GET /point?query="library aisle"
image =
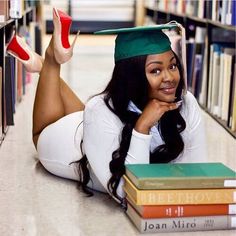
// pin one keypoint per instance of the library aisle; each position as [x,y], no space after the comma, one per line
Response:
[34,202]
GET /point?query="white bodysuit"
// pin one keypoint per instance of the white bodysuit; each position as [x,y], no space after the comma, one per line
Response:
[100,129]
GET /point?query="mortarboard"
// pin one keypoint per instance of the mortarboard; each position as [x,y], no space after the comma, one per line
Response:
[145,40]
[141,40]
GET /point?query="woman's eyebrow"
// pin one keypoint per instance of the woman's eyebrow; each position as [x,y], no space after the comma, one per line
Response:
[158,62]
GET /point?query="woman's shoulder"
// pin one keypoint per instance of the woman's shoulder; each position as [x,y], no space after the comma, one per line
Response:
[189,98]
[190,103]
[95,101]
[191,110]
[97,109]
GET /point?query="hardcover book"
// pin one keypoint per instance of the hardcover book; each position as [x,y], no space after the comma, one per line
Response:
[168,211]
[179,197]
[158,225]
[181,176]
[9,75]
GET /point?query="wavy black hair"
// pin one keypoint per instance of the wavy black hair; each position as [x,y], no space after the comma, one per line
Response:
[129,83]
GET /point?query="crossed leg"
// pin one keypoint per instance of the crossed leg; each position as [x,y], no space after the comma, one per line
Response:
[54,99]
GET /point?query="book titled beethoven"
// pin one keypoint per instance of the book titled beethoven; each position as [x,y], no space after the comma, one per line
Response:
[158,225]
[178,197]
[181,175]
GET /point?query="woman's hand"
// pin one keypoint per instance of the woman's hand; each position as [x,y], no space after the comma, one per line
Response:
[152,113]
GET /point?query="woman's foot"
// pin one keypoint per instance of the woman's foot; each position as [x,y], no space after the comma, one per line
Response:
[19,49]
[63,51]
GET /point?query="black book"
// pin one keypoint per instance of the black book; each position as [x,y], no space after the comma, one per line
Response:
[231,95]
[8,91]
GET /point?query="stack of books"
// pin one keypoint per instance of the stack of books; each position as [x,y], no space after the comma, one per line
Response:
[180,197]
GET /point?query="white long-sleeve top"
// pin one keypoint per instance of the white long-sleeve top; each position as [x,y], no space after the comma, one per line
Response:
[102,135]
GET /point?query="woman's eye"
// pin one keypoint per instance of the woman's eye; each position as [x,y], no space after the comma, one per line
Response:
[173,66]
[156,71]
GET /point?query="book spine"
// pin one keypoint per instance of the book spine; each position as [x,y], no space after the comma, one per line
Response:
[16,9]
[208,196]
[179,197]
[188,224]
[182,224]
[185,183]
[187,210]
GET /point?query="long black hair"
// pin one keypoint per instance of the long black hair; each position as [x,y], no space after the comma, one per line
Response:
[129,83]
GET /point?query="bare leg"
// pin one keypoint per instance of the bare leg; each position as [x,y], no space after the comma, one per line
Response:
[70,100]
[54,99]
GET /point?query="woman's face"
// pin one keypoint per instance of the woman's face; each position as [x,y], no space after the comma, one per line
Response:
[163,76]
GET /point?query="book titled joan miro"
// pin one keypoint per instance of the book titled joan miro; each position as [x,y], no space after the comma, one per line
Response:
[198,223]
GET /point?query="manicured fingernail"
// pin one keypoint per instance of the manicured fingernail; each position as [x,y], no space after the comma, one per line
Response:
[179,103]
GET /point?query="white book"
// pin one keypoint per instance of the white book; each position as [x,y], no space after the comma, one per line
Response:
[215,83]
[221,84]
[200,34]
[203,90]
[213,13]
[200,13]
[209,97]
[16,8]
[224,11]
[233,122]
[229,13]
[189,7]
[32,26]
[226,86]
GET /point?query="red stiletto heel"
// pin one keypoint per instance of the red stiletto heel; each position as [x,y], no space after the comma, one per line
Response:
[19,49]
[63,51]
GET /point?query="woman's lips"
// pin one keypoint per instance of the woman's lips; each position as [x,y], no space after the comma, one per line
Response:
[169,90]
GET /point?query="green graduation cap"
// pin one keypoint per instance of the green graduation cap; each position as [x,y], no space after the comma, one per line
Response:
[141,40]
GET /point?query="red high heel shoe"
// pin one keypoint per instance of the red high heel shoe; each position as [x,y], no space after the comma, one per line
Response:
[19,49]
[63,51]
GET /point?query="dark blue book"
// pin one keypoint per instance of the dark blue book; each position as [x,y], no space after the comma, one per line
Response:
[8,91]
[233,12]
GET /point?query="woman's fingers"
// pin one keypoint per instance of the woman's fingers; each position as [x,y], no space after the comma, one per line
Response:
[167,106]
[152,113]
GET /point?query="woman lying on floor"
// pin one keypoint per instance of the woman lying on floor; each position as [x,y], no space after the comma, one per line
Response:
[144,115]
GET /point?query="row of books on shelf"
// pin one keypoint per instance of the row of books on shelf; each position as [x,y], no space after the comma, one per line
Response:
[222,11]
[13,87]
[15,78]
[216,90]
[14,9]
[180,197]
[12,90]
[222,85]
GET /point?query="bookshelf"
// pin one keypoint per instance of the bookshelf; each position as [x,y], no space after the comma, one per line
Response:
[93,15]
[214,84]
[13,77]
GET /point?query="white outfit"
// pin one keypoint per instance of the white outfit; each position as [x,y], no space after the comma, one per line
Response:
[59,143]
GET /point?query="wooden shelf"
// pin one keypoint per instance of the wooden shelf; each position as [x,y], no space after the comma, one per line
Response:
[221,122]
[218,24]
[6,23]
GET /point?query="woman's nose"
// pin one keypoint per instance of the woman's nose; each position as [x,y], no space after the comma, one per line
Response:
[167,76]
